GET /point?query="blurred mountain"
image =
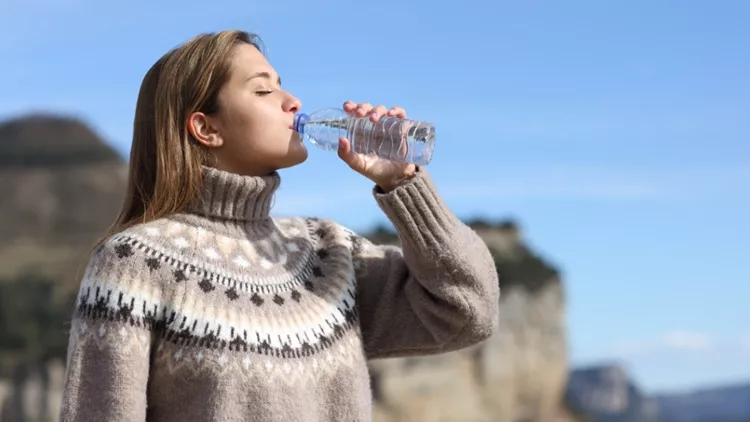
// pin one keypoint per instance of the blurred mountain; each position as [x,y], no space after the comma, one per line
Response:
[719,404]
[50,141]
[61,186]
[607,394]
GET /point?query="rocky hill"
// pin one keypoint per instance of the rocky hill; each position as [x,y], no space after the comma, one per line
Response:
[63,186]
[607,394]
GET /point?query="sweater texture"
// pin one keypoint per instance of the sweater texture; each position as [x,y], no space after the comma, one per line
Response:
[223,313]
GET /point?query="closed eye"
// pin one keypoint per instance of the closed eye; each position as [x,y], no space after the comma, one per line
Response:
[262,93]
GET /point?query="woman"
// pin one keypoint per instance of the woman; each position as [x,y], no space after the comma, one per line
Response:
[198,306]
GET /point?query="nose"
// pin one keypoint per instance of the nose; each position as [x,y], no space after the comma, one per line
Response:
[292,104]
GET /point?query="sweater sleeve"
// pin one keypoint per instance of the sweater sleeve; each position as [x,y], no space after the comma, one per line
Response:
[439,292]
[109,345]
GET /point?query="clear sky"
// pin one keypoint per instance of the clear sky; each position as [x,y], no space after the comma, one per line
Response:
[617,133]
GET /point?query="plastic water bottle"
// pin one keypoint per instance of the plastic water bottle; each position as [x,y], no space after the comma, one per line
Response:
[395,139]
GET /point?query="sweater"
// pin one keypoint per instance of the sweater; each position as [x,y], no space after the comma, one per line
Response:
[224,313]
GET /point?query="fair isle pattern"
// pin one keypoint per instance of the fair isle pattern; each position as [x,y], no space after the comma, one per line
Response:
[194,360]
[297,276]
[320,296]
[253,264]
[301,372]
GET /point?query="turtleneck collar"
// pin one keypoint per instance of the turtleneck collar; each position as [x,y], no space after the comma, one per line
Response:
[231,196]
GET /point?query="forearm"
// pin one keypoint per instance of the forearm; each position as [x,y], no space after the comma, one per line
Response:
[440,293]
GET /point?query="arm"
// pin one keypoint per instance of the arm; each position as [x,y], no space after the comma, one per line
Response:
[108,351]
[437,294]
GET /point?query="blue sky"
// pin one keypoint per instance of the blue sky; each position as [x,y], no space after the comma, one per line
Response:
[617,133]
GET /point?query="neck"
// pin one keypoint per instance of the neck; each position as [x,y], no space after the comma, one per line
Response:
[230,196]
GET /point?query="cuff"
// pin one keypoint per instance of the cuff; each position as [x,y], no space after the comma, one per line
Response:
[418,212]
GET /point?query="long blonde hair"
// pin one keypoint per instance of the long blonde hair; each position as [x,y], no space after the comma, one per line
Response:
[165,174]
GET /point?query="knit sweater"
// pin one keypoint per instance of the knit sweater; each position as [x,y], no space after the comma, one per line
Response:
[223,313]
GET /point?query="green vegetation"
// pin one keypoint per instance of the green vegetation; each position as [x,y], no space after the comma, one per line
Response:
[33,316]
[526,269]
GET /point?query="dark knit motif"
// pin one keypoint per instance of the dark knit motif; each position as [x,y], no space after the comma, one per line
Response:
[125,245]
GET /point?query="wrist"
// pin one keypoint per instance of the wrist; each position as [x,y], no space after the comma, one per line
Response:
[398,180]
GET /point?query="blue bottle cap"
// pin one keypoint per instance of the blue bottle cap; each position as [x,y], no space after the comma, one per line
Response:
[299,122]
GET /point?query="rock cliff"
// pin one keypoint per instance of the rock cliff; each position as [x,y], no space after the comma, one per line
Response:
[519,374]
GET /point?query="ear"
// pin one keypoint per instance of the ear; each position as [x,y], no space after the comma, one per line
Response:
[203,130]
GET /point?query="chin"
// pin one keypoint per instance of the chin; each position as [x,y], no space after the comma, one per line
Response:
[297,152]
[295,157]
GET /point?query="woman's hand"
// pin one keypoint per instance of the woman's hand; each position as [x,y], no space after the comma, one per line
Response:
[385,173]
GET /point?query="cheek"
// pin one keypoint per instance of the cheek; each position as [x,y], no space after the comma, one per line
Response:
[240,121]
[251,122]
[263,120]
[254,132]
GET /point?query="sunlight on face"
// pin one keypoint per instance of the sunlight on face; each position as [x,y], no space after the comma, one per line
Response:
[256,117]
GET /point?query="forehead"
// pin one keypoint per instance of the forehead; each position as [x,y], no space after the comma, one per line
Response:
[247,59]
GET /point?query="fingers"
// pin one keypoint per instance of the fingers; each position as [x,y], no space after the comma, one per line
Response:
[397,112]
[358,110]
[350,106]
[375,113]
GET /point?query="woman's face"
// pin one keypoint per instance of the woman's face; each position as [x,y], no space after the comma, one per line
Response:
[252,133]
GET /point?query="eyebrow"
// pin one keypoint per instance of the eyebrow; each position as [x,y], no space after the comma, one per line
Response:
[262,75]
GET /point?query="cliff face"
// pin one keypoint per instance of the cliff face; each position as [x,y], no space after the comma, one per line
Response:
[519,374]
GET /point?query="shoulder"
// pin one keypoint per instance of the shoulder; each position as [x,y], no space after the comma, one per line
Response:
[125,252]
[120,282]
[329,232]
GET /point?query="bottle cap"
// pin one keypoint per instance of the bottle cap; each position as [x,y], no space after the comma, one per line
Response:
[299,123]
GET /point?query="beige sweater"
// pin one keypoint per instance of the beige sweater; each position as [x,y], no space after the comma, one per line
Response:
[226,314]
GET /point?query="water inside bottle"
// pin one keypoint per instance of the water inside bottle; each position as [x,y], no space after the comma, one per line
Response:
[390,138]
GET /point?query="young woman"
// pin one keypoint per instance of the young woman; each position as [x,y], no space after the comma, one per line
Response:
[198,306]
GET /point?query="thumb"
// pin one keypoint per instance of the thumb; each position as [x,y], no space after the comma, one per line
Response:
[346,154]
